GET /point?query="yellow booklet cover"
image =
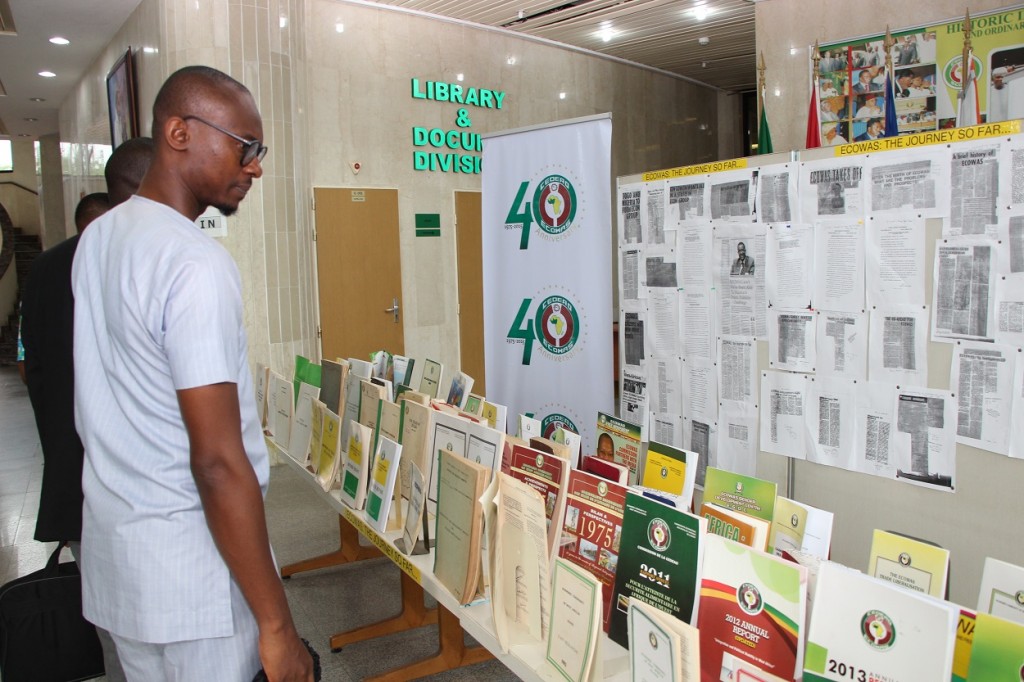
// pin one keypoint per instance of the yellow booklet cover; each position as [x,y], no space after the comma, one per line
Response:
[909,563]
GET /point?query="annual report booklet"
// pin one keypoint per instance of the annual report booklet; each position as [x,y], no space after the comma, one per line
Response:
[332,373]
[624,446]
[402,367]
[351,391]
[460,483]
[262,388]
[753,606]
[495,415]
[458,391]
[414,513]
[659,562]
[737,526]
[466,438]
[475,406]
[592,530]
[1002,590]
[909,563]
[746,494]
[302,427]
[548,475]
[382,483]
[661,648]
[330,444]
[575,628]
[281,406]
[671,471]
[356,465]
[800,527]
[430,382]
[863,627]
[316,434]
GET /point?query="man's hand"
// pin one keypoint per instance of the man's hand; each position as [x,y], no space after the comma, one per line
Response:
[285,658]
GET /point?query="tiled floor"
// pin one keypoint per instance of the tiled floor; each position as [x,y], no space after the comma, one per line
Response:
[21,475]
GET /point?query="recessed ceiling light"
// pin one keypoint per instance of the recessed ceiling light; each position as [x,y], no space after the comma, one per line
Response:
[510,61]
[36,99]
[703,40]
[561,95]
[792,51]
[150,50]
[460,77]
[47,74]
[339,27]
[24,135]
[58,40]
[31,120]
[283,22]
[701,12]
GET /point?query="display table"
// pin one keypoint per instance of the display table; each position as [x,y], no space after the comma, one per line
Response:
[453,619]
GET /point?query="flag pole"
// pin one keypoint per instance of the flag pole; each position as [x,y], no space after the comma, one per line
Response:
[965,59]
[813,137]
[891,123]
[761,81]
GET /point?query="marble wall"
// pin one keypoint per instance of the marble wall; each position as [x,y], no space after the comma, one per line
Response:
[330,98]
[785,26]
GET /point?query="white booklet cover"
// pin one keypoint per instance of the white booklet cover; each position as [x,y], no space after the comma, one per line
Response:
[1002,590]
[382,483]
[865,627]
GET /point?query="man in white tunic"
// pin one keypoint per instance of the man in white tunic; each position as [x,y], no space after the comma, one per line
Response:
[176,560]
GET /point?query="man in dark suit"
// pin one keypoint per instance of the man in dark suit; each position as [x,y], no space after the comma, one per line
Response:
[903,81]
[872,132]
[47,333]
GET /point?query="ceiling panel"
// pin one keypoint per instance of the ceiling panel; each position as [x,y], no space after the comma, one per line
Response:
[664,34]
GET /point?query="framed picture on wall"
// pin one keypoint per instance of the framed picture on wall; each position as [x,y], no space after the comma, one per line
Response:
[124,118]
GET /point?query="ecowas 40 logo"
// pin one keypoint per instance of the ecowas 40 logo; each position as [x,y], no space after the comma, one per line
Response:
[554,323]
[552,205]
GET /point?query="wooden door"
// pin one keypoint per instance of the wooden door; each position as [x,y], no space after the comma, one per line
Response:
[469,244]
[359,271]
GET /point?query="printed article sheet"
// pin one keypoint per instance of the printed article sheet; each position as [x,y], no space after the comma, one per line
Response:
[687,201]
[667,427]
[737,438]
[842,341]
[663,337]
[982,375]
[913,180]
[898,345]
[654,204]
[1010,310]
[832,188]
[791,344]
[776,193]
[895,255]
[629,273]
[700,389]
[924,442]
[830,422]
[839,265]
[633,402]
[702,438]
[666,392]
[739,255]
[1011,234]
[732,195]
[695,244]
[1011,175]
[630,211]
[632,336]
[737,369]
[789,253]
[660,266]
[974,191]
[783,412]
[873,429]
[963,295]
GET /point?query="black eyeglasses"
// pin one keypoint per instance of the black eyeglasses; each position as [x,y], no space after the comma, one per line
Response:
[251,149]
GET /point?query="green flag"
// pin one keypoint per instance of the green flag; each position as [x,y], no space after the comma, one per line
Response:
[764,136]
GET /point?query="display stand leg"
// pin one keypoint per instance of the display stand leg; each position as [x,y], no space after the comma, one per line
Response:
[413,615]
[349,550]
[452,653]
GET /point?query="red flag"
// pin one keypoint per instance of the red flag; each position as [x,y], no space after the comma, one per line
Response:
[813,127]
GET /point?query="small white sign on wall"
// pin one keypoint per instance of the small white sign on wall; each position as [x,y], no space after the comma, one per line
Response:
[213,223]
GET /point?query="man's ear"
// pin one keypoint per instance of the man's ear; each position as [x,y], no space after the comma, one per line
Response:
[176,133]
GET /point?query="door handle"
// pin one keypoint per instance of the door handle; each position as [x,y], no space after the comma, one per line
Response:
[393,309]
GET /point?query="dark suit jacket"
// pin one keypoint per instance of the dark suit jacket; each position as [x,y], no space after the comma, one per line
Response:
[47,332]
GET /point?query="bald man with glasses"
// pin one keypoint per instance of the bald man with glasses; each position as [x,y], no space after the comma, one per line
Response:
[176,561]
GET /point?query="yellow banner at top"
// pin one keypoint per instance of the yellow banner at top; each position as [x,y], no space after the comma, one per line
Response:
[979,132]
[698,169]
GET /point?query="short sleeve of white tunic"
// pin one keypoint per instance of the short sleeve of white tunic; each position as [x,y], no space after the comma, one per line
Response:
[158,308]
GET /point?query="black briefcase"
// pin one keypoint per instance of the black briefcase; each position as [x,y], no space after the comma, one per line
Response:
[43,636]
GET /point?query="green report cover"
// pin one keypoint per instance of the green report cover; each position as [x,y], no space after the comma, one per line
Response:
[659,562]
[740,493]
[998,650]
